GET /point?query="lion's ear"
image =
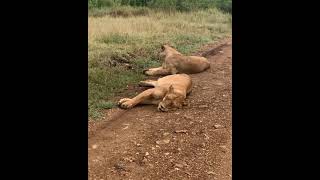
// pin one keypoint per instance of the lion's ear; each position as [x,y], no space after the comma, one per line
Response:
[171,89]
[163,47]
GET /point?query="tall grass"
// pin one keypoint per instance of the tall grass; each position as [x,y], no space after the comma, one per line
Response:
[120,47]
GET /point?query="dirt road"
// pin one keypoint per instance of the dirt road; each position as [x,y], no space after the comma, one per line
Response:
[190,143]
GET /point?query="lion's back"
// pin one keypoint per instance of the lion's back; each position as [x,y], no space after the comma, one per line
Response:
[176,79]
[190,64]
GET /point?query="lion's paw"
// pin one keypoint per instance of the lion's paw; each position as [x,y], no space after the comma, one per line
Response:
[125,103]
[147,72]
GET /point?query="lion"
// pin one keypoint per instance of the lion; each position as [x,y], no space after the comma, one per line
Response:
[175,62]
[169,93]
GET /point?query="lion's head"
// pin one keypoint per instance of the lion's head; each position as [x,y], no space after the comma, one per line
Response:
[173,99]
[167,50]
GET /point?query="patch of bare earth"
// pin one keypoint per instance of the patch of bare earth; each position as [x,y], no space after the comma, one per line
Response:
[190,143]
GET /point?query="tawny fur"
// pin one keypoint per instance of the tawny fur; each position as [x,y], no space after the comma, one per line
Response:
[175,62]
[168,92]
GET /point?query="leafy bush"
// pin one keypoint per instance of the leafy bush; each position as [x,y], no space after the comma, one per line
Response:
[100,3]
[224,5]
[168,5]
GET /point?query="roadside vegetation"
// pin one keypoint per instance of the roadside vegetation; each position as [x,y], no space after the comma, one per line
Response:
[125,37]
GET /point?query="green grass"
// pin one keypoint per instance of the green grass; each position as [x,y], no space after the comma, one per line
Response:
[115,42]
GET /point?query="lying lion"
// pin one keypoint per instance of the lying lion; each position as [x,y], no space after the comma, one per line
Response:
[169,92]
[175,62]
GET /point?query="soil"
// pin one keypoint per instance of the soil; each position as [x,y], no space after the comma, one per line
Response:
[190,143]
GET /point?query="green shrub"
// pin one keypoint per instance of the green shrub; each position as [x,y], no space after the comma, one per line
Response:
[100,3]
[224,5]
[166,5]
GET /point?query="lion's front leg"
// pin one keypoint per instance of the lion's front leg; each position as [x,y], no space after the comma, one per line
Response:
[127,103]
[156,71]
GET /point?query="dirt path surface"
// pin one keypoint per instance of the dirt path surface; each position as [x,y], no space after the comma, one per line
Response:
[190,143]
